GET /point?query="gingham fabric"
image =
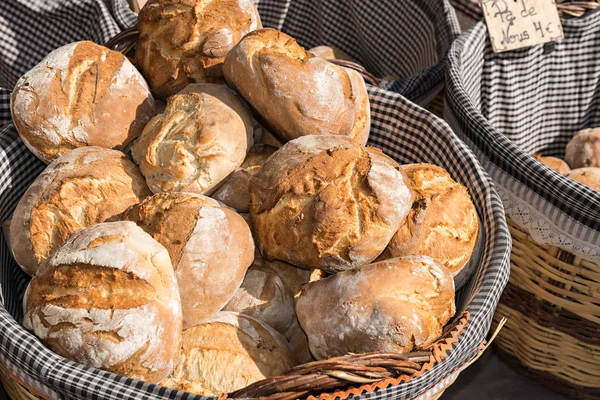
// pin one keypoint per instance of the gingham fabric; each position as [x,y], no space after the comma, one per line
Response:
[400,128]
[509,105]
[470,8]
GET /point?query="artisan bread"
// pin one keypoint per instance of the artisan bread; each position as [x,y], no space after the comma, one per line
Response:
[297,93]
[326,202]
[211,248]
[398,305]
[442,223]
[298,342]
[226,353]
[185,41]
[329,53]
[202,137]
[82,188]
[264,297]
[234,191]
[584,149]
[587,176]
[108,298]
[81,94]
[554,163]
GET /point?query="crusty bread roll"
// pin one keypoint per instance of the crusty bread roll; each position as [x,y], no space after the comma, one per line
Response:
[81,94]
[587,176]
[211,248]
[234,191]
[554,163]
[397,305]
[185,41]
[82,188]
[108,298]
[297,93]
[264,297]
[227,353]
[329,53]
[584,149]
[326,202]
[442,223]
[298,342]
[201,138]
[293,278]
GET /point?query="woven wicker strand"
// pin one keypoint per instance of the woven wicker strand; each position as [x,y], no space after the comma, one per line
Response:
[567,8]
[552,301]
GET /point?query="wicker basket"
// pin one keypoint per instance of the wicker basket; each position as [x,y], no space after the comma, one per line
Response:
[505,107]
[552,302]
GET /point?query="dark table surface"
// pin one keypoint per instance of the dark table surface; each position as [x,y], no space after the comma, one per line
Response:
[487,379]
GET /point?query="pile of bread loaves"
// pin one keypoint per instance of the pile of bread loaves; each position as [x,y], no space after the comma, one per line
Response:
[306,250]
[582,155]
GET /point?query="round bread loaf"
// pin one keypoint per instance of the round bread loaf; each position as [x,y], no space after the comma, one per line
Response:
[82,188]
[211,248]
[584,149]
[293,278]
[264,297]
[554,163]
[298,342]
[234,191]
[442,223]
[226,353]
[81,94]
[326,202]
[329,53]
[108,298]
[297,93]
[398,305]
[186,41]
[587,176]
[202,136]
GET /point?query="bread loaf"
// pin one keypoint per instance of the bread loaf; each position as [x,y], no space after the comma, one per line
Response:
[211,248]
[442,223]
[185,41]
[297,93]
[82,188]
[201,138]
[584,149]
[587,176]
[108,298]
[329,53]
[264,297]
[293,278]
[81,94]
[397,305]
[234,191]
[226,353]
[326,202]
[554,163]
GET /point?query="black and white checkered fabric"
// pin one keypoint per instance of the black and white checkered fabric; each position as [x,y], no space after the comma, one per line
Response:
[470,8]
[509,105]
[400,128]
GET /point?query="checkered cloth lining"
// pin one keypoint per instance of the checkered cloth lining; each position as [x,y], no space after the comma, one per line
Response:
[403,130]
[509,105]
[471,8]
[405,39]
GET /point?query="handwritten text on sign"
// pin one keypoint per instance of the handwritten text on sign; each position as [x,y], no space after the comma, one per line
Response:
[514,24]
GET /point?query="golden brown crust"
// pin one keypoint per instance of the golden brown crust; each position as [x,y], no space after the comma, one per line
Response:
[397,305]
[201,138]
[82,188]
[584,149]
[82,94]
[326,202]
[587,176]
[554,163]
[227,353]
[298,93]
[443,221]
[108,298]
[234,191]
[185,41]
[211,248]
[329,53]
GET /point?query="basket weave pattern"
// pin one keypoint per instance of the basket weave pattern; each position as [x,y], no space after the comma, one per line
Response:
[552,302]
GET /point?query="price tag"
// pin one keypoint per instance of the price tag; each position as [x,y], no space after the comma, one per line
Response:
[514,24]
